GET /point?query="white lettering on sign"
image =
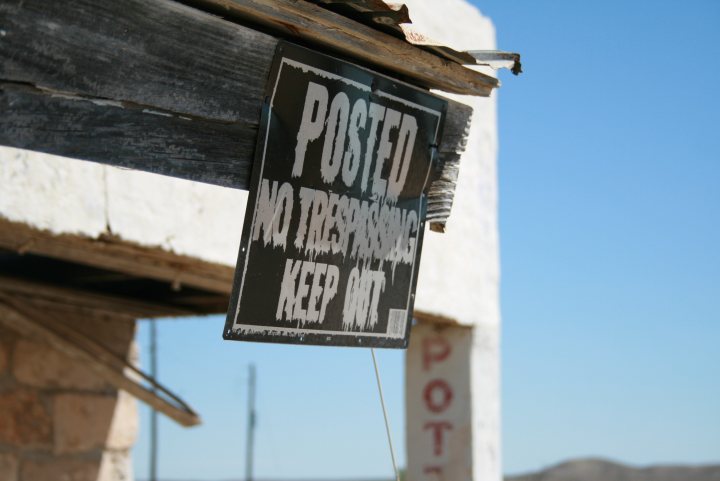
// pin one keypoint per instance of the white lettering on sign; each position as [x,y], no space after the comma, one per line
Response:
[313,122]
[273,213]
[364,230]
[306,289]
[361,300]
[342,148]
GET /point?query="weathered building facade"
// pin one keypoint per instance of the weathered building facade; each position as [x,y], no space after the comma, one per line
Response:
[453,363]
[96,247]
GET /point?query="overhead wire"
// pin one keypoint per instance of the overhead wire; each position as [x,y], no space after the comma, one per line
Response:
[385,415]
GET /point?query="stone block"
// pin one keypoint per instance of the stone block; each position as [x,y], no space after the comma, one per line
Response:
[39,365]
[8,467]
[60,469]
[125,423]
[82,422]
[25,420]
[116,466]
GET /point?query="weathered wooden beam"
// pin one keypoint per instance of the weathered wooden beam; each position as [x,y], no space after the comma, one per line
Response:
[150,85]
[126,135]
[335,33]
[117,255]
[99,302]
[158,54]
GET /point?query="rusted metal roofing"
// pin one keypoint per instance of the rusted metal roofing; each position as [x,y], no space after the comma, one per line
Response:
[394,19]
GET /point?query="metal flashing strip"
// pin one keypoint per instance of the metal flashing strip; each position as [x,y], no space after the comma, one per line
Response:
[497,59]
[394,19]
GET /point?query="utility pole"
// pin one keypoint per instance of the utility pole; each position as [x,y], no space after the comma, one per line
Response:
[153,412]
[250,424]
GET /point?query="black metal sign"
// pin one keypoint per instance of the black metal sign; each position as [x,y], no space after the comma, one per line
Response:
[334,225]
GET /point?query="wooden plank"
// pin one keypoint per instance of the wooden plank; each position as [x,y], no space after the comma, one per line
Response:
[124,135]
[99,302]
[150,85]
[134,260]
[158,54]
[118,255]
[335,33]
[170,56]
[169,298]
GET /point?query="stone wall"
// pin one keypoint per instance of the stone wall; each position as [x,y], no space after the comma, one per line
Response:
[59,421]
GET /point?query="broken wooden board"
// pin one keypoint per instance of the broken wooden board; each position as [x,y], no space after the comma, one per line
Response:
[117,255]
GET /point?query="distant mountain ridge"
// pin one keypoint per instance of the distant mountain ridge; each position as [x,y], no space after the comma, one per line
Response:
[603,470]
[597,470]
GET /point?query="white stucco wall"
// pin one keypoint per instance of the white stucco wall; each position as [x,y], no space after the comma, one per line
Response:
[460,269]
[464,287]
[67,196]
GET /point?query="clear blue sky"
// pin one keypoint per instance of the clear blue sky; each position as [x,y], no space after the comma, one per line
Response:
[610,239]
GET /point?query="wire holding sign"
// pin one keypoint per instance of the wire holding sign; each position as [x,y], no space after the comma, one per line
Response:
[333,230]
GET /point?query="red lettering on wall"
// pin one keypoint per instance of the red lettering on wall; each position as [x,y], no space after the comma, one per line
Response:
[438,428]
[433,469]
[434,349]
[438,395]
